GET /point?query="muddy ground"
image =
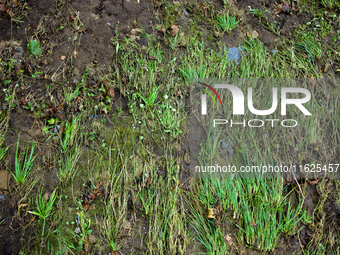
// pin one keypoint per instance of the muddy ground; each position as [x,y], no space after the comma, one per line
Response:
[69,50]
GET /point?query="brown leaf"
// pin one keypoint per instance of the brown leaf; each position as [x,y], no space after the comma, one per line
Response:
[253,224]
[326,68]
[22,205]
[211,213]
[254,34]
[187,158]
[313,182]
[229,240]
[75,54]
[10,13]
[60,114]
[99,194]
[33,219]
[163,30]
[15,3]
[111,93]
[180,184]
[126,232]
[293,6]
[174,29]
[178,93]
[2,7]
[97,185]
[71,19]
[151,57]
[86,206]
[23,101]
[61,105]
[124,80]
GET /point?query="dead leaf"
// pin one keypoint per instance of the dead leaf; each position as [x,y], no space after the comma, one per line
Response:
[15,3]
[187,158]
[252,224]
[22,205]
[153,58]
[326,68]
[61,105]
[174,29]
[75,54]
[23,101]
[2,7]
[100,193]
[62,57]
[177,146]
[86,206]
[229,240]
[293,7]
[211,213]
[10,13]
[33,219]
[135,31]
[178,93]
[314,182]
[111,93]
[124,80]
[254,34]
[71,19]
[162,30]
[60,114]
[126,232]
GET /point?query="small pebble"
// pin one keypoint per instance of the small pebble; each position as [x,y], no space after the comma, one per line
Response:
[273,51]
[235,54]
[223,145]
[56,129]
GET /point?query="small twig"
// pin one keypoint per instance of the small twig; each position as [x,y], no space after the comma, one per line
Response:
[298,185]
[100,6]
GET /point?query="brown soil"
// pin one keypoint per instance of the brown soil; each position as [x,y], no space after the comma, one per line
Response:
[93,47]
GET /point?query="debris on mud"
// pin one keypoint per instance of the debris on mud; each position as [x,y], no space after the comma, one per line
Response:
[235,54]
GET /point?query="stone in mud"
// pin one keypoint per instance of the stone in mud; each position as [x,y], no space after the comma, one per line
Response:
[223,145]
[235,54]
[187,158]
[4,179]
